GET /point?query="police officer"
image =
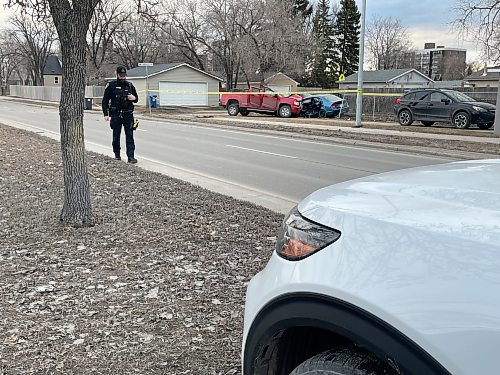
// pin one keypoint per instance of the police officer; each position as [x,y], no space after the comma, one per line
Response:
[121,94]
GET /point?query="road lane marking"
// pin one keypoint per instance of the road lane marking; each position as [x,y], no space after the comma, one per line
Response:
[263,152]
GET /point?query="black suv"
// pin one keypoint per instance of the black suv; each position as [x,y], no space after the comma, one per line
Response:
[433,105]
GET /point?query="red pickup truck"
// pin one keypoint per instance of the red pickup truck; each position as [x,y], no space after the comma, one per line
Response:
[261,100]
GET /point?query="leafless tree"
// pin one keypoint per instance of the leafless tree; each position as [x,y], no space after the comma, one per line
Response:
[104,24]
[387,41]
[34,39]
[8,59]
[480,19]
[137,39]
[218,35]
[277,39]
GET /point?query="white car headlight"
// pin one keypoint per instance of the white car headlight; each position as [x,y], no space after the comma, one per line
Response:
[479,109]
[299,237]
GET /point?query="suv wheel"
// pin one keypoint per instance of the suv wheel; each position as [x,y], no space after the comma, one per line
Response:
[405,117]
[285,111]
[233,109]
[461,120]
[345,361]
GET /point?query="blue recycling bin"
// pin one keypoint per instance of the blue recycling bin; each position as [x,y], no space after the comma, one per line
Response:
[152,100]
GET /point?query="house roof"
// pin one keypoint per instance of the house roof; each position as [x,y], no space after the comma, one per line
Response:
[489,76]
[255,78]
[381,76]
[140,71]
[52,66]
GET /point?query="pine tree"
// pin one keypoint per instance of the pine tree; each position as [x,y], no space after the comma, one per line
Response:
[324,65]
[303,7]
[346,29]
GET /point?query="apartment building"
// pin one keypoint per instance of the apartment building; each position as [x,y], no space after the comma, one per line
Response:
[438,62]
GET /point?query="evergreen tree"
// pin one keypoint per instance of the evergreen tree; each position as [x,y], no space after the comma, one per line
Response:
[324,65]
[346,29]
[303,7]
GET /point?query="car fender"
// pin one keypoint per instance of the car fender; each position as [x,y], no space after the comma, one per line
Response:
[337,316]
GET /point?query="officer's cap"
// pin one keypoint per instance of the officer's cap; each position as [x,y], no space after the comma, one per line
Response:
[121,71]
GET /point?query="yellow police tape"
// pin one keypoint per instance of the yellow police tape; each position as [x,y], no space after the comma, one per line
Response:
[269,92]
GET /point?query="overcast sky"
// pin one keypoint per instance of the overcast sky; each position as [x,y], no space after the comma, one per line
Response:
[426,20]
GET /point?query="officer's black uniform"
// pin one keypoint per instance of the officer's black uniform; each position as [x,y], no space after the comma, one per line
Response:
[121,112]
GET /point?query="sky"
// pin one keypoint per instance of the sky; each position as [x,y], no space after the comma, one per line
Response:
[426,20]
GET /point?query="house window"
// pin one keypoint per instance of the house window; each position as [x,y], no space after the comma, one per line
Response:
[56,80]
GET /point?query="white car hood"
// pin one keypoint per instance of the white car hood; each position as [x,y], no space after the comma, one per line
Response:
[460,199]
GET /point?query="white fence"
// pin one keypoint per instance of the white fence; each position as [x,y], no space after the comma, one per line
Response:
[50,94]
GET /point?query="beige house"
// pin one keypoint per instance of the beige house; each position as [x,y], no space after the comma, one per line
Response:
[52,73]
[278,82]
[488,77]
[175,85]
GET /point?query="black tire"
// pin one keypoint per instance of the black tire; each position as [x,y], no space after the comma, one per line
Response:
[233,109]
[322,113]
[285,111]
[485,126]
[345,361]
[461,120]
[405,117]
[244,112]
[428,123]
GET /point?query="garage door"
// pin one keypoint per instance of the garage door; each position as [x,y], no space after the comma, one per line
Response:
[183,94]
[284,89]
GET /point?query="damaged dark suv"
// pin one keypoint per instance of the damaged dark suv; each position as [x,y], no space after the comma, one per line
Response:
[434,105]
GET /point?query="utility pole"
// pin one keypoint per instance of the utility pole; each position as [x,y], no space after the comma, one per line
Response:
[359,97]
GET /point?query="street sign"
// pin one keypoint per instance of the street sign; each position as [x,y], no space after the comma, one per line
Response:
[342,77]
[145,64]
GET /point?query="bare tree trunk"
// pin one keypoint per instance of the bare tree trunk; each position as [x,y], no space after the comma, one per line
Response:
[77,208]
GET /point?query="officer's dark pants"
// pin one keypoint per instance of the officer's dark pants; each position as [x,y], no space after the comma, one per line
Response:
[126,120]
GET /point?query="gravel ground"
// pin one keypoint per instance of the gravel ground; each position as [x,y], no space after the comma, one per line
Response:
[155,287]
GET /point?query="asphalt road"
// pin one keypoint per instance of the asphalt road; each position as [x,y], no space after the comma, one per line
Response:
[273,171]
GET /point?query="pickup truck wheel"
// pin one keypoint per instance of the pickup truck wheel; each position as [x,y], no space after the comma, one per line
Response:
[244,112]
[233,109]
[285,111]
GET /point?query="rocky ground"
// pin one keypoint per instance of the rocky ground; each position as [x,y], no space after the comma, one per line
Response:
[155,287]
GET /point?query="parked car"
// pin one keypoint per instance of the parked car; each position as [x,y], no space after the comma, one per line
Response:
[433,105]
[324,105]
[397,273]
[261,100]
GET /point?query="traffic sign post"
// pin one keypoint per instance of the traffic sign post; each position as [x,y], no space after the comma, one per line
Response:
[147,84]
